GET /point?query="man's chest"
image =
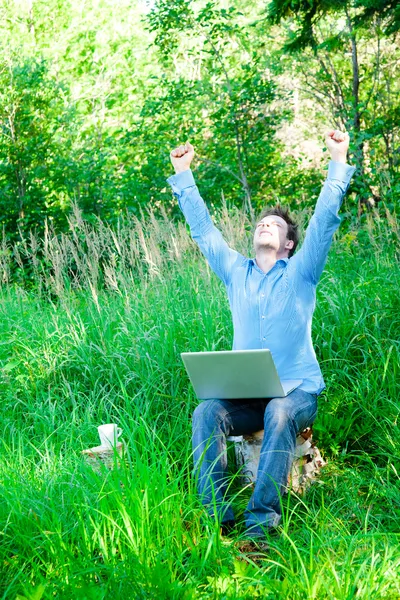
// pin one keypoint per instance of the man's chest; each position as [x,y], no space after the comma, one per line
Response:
[274,295]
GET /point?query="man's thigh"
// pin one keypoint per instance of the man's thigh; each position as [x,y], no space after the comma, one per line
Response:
[299,406]
[245,416]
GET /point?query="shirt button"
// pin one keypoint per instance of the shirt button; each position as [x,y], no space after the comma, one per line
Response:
[262,295]
[263,316]
[264,339]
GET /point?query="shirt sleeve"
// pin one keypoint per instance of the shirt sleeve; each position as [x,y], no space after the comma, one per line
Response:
[311,258]
[220,257]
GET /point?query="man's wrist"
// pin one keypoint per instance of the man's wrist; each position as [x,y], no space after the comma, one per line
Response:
[181,169]
[340,158]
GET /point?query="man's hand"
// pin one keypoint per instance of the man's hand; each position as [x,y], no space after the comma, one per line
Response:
[182,157]
[337,144]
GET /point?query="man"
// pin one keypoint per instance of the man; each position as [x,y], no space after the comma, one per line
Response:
[272,299]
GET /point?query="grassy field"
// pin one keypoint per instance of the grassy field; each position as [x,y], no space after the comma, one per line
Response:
[94,335]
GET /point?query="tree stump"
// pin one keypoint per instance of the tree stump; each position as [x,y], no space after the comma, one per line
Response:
[306,464]
[103,457]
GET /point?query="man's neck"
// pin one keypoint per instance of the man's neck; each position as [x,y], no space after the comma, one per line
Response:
[266,258]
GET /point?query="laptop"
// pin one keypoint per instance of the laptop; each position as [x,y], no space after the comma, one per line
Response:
[234,374]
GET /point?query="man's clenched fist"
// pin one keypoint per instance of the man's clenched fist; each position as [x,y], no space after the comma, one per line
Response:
[337,144]
[181,157]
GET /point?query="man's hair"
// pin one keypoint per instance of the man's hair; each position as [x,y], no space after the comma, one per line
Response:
[280,211]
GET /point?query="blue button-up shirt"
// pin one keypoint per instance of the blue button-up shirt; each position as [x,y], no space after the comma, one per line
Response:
[272,310]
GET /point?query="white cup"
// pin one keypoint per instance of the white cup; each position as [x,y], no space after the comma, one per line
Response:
[109,434]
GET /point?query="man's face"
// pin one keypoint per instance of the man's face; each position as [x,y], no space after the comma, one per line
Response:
[271,232]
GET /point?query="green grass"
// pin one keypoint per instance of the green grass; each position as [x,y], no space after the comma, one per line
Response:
[96,336]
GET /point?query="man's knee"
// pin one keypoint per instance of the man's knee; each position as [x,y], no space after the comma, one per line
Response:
[277,413]
[208,412]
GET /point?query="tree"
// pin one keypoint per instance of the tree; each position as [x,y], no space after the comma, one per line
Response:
[35,126]
[333,36]
[227,84]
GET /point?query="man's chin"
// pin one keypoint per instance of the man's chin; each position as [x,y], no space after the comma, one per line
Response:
[264,245]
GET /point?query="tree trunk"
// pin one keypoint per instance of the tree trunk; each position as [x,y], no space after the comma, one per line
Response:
[243,178]
[19,172]
[362,186]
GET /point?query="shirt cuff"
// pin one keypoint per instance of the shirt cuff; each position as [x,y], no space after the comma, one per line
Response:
[341,171]
[182,180]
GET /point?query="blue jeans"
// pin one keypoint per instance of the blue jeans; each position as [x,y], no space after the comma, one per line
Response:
[281,419]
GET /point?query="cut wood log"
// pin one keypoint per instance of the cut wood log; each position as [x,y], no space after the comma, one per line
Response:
[305,467]
[103,457]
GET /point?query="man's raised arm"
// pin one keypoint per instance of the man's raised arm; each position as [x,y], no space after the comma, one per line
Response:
[220,257]
[311,258]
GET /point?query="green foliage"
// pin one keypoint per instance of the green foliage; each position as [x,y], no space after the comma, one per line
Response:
[98,339]
[332,43]
[34,140]
[93,97]
[104,90]
[386,10]
[309,12]
[236,124]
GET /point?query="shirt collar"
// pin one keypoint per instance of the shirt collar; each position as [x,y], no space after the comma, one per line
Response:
[284,261]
